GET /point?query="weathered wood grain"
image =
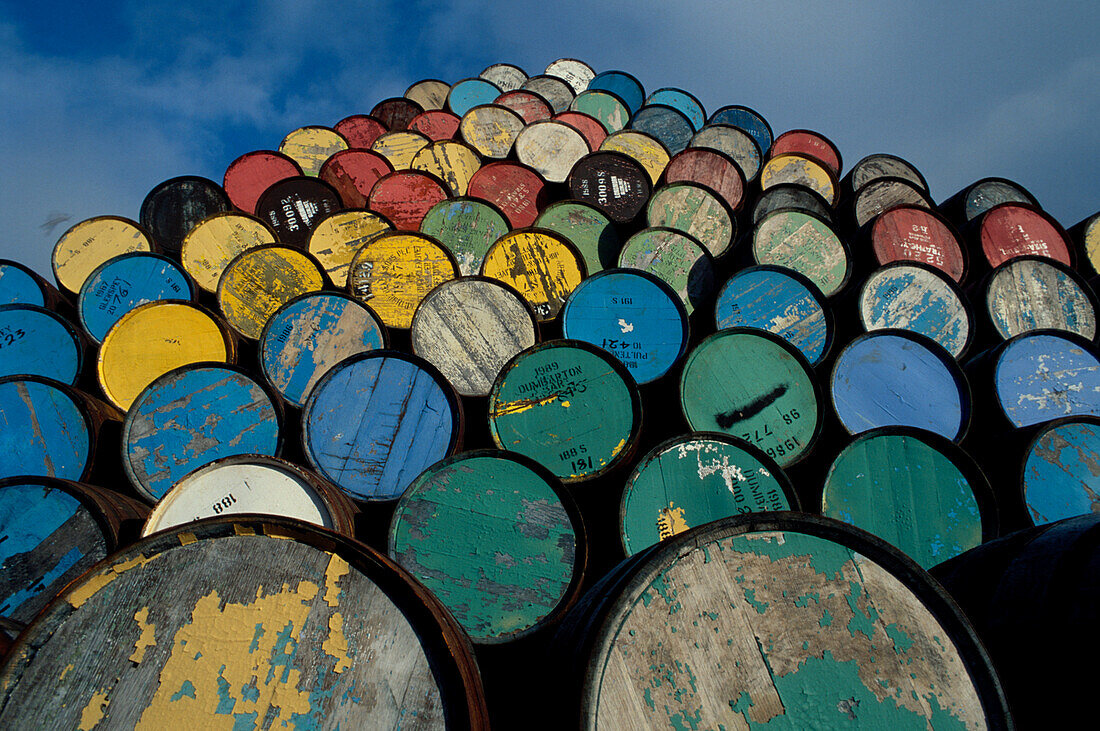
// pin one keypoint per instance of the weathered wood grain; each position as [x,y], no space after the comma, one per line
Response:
[675,257]
[261,280]
[517,190]
[37,342]
[404,197]
[683,101]
[910,233]
[540,264]
[360,130]
[592,129]
[733,141]
[575,72]
[790,195]
[338,237]
[883,194]
[527,104]
[124,282]
[294,206]
[506,76]
[353,173]
[311,146]
[747,119]
[252,173]
[550,148]
[646,149]
[805,243]
[467,227]
[176,206]
[452,162]
[1032,293]
[711,168]
[399,147]
[696,211]
[491,129]
[555,90]
[918,299]
[430,94]
[394,271]
[90,243]
[46,429]
[615,183]
[212,244]
[880,165]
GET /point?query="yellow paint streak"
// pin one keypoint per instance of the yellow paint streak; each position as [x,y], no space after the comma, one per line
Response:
[508,408]
[670,521]
[66,671]
[618,448]
[93,584]
[400,147]
[791,168]
[337,238]
[337,567]
[201,655]
[311,146]
[565,404]
[648,152]
[540,266]
[93,712]
[450,161]
[261,281]
[187,538]
[336,644]
[491,130]
[276,531]
[243,530]
[148,634]
[393,273]
[213,243]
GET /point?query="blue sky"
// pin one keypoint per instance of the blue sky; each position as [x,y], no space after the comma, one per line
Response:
[104,101]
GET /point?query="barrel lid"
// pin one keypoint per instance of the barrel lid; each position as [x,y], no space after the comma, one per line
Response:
[683,101]
[615,183]
[1010,230]
[568,405]
[20,285]
[430,94]
[261,280]
[605,106]
[587,228]
[1058,476]
[124,282]
[469,93]
[696,210]
[91,242]
[353,173]
[529,105]
[542,265]
[436,124]
[791,195]
[47,431]
[809,143]
[735,142]
[491,129]
[293,206]
[882,194]
[191,416]
[793,168]
[756,386]
[505,76]
[399,147]
[781,301]
[747,119]
[676,257]
[360,130]
[338,236]
[517,190]
[404,197]
[592,129]
[1044,375]
[394,271]
[899,378]
[376,420]
[311,146]
[214,242]
[551,148]
[805,243]
[694,479]
[1088,236]
[517,564]
[921,299]
[396,112]
[710,168]
[312,333]
[911,233]
[917,492]
[451,161]
[625,85]
[252,173]
[467,227]
[469,328]
[665,123]
[36,341]
[633,315]
[650,152]
[176,206]
[553,89]
[1034,292]
[881,165]
[986,193]
[577,73]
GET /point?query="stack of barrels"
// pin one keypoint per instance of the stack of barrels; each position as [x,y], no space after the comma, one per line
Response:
[540,400]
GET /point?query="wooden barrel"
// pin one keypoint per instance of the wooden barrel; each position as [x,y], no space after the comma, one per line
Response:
[781,301]
[806,244]
[603,105]
[880,165]
[733,141]
[120,284]
[491,129]
[469,93]
[152,340]
[311,146]
[557,91]
[592,129]
[781,618]
[21,285]
[309,335]
[399,147]
[252,484]
[883,194]
[695,210]
[469,328]
[978,197]
[176,206]
[912,233]
[353,173]
[339,236]
[90,243]
[614,183]
[646,149]
[360,130]
[51,429]
[496,539]
[920,299]
[404,197]
[393,272]
[293,207]
[623,85]
[252,173]
[436,124]
[793,168]
[467,227]
[1012,230]
[1034,292]
[588,228]
[1086,236]
[747,119]
[396,112]
[214,242]
[811,144]
[677,258]
[756,386]
[430,94]
[505,76]
[694,479]
[192,416]
[791,195]
[540,264]
[1058,478]
[452,162]
[261,280]
[918,492]
[633,315]
[1044,375]
[35,341]
[518,191]
[551,148]
[712,169]
[527,104]
[329,629]
[568,405]
[51,531]
[683,101]
[667,124]
[575,72]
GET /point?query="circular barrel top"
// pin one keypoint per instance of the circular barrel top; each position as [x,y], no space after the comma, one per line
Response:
[452,162]
[911,233]
[469,328]
[90,243]
[884,194]
[431,94]
[176,206]
[261,280]
[489,535]
[781,301]
[586,227]
[1045,375]
[396,112]
[338,237]
[35,341]
[748,120]
[919,299]
[404,197]
[212,244]
[393,272]
[682,101]
[311,146]
[1011,230]
[613,182]
[696,211]
[623,85]
[633,315]
[252,173]
[811,144]
[1087,235]
[156,338]
[436,124]
[592,129]
[360,130]
[805,243]
[311,334]
[732,141]
[20,285]
[1032,293]
[399,147]
[793,168]
[1059,477]
[989,192]
[918,494]
[505,76]
[469,93]
[491,129]
[675,257]
[48,429]
[328,629]
[376,420]
[551,148]
[695,479]
[755,386]
[880,165]
[517,190]
[568,405]
[646,149]
[790,195]
[190,417]
[467,227]
[527,104]
[353,173]
[667,124]
[542,265]
[575,72]
[895,378]
[710,168]
[558,92]
[124,282]
[294,206]
[604,106]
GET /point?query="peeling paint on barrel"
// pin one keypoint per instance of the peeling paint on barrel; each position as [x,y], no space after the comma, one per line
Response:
[804,243]
[1061,474]
[393,272]
[542,266]
[38,342]
[913,298]
[677,258]
[44,432]
[1042,376]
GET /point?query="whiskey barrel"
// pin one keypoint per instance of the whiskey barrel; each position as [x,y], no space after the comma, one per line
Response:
[649,151]
[733,141]
[550,148]
[360,130]
[592,129]
[604,106]
[176,206]
[540,264]
[89,243]
[587,228]
[747,119]
[436,124]
[339,236]
[36,341]
[261,280]
[880,165]
[353,173]
[794,168]
[1058,478]
[120,284]
[21,285]
[393,272]
[883,194]
[614,183]
[695,210]
[978,197]
[467,227]
[293,207]
[623,85]
[912,233]
[518,191]
[252,173]
[553,89]
[399,147]
[396,112]
[806,244]
[469,93]
[451,161]
[1034,292]
[1011,230]
[505,76]
[491,129]
[791,195]
[574,71]
[683,101]
[430,94]
[811,144]
[677,258]
[710,168]
[527,104]
[404,197]
[667,124]
[311,146]
[214,242]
